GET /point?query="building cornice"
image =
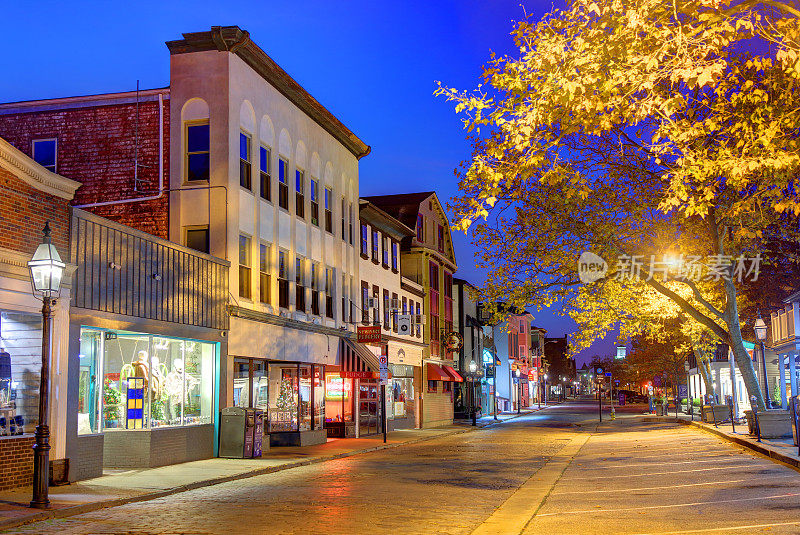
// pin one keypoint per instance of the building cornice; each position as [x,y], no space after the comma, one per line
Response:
[378,219]
[282,321]
[237,41]
[84,101]
[26,169]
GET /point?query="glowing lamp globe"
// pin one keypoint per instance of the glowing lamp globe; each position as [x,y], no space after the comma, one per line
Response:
[47,268]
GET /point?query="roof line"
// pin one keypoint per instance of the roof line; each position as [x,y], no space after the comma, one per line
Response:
[81,101]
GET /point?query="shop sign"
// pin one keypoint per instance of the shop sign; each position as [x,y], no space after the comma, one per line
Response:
[453,341]
[368,334]
[490,371]
[384,368]
[357,375]
[488,357]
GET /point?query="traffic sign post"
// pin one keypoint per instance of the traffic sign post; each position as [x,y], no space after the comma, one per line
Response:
[384,369]
[599,378]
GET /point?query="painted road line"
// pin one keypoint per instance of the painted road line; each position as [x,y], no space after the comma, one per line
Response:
[661,463]
[725,529]
[649,474]
[691,504]
[618,491]
[514,514]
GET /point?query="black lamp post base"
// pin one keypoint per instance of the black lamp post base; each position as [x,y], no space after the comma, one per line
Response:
[41,468]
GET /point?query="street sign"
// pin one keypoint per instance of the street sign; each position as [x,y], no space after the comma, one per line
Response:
[384,363]
[599,371]
[490,371]
[608,374]
[404,324]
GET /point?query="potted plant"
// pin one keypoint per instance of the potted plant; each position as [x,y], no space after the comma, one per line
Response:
[659,403]
[111,402]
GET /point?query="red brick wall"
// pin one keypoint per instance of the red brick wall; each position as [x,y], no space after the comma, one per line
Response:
[23,212]
[96,147]
[16,458]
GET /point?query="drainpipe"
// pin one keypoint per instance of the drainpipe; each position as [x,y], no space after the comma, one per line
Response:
[160,166]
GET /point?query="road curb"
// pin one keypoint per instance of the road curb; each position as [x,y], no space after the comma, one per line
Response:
[755,446]
[116,502]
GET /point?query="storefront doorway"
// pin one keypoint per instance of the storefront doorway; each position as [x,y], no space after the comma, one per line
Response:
[368,411]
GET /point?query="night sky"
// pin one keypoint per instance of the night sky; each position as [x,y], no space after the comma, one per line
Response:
[373,64]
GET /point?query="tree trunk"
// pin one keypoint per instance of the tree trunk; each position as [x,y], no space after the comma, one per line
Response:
[740,356]
[702,362]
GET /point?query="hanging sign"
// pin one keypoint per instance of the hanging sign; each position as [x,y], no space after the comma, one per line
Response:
[453,341]
[368,334]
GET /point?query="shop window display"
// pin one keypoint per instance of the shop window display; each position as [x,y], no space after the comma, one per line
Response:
[20,368]
[305,397]
[283,401]
[338,398]
[175,389]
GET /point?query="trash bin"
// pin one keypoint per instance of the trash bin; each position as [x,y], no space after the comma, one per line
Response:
[237,425]
[258,432]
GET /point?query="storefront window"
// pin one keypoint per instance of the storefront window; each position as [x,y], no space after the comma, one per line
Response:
[338,398]
[400,395]
[319,397]
[20,369]
[283,399]
[145,381]
[305,397]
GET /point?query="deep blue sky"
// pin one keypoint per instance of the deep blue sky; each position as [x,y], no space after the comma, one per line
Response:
[374,64]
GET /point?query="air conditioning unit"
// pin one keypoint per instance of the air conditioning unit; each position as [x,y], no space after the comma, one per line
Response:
[418,319]
[372,302]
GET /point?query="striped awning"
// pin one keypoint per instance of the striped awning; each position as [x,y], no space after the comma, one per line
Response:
[355,358]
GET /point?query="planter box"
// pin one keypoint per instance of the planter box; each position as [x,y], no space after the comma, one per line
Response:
[715,413]
[297,438]
[660,410]
[775,424]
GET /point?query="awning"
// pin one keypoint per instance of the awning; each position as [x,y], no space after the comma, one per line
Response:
[437,373]
[357,360]
[453,373]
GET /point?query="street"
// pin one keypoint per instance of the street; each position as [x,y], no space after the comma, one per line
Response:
[622,476]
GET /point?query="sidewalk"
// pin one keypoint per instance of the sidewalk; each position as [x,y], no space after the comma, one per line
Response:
[779,449]
[121,487]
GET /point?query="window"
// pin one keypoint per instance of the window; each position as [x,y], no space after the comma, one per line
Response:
[44,153]
[283,186]
[300,289]
[431,386]
[441,238]
[364,302]
[394,256]
[329,272]
[375,246]
[419,323]
[344,208]
[420,228]
[329,210]
[245,167]
[394,312]
[283,281]
[300,198]
[244,267]
[314,288]
[265,158]
[345,293]
[376,311]
[405,306]
[522,352]
[434,308]
[447,386]
[263,269]
[385,251]
[314,202]
[197,239]
[197,155]
[364,242]
[111,369]
[350,223]
[386,309]
[448,301]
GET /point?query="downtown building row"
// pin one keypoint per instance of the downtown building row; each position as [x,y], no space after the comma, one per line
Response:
[218,248]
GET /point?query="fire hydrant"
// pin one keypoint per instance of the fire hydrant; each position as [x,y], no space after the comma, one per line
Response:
[613,416]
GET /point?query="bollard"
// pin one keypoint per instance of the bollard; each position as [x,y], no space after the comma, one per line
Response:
[733,422]
[754,408]
[690,404]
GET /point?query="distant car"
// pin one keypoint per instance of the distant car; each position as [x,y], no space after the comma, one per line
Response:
[633,397]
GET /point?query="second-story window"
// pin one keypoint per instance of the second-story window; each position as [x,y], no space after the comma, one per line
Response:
[364,303]
[245,165]
[314,202]
[345,293]
[283,280]
[441,238]
[395,312]
[300,197]
[264,161]
[386,309]
[420,228]
[329,286]
[352,218]
[329,210]
[419,322]
[315,288]
[263,270]
[344,230]
[197,153]
[394,255]
[364,240]
[245,273]
[283,183]
[385,252]
[375,246]
[45,153]
[300,288]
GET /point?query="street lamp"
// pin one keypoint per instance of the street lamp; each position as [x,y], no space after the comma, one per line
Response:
[473,367]
[761,334]
[47,270]
[518,373]
[545,390]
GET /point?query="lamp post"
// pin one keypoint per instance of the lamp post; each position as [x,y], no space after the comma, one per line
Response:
[545,390]
[761,334]
[473,367]
[46,269]
[518,373]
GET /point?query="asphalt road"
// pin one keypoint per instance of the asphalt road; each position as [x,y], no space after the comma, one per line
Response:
[557,471]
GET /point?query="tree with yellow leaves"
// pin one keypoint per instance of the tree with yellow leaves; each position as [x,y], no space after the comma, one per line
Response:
[635,128]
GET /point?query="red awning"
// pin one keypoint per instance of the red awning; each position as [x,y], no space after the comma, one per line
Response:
[436,373]
[453,373]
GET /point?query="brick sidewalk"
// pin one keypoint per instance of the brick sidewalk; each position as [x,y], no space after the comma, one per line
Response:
[128,486]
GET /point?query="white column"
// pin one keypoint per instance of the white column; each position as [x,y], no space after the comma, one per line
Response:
[782,379]
[792,374]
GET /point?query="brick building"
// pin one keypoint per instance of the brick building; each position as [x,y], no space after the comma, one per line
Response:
[31,195]
[109,143]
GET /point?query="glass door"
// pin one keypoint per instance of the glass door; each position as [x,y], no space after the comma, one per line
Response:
[368,406]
